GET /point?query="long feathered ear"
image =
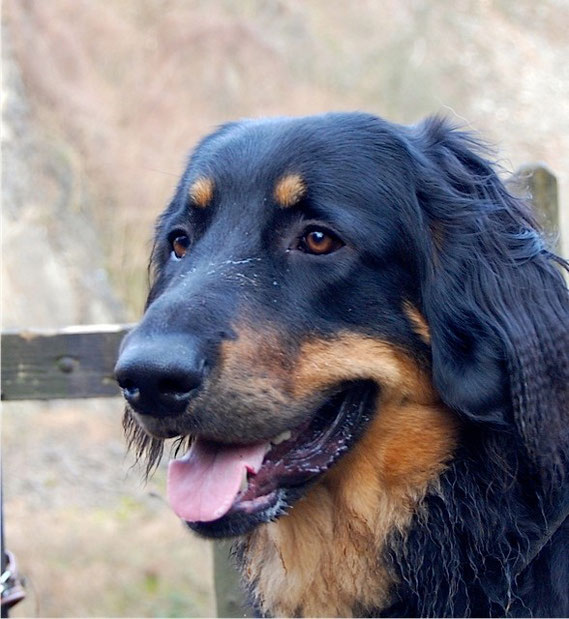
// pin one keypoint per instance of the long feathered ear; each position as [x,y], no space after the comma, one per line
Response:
[495,300]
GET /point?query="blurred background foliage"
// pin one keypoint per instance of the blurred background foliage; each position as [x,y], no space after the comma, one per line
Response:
[102,101]
[123,89]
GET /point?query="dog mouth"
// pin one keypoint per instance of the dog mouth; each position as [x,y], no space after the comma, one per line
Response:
[242,485]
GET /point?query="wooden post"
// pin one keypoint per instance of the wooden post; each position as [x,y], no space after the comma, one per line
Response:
[229,596]
[538,183]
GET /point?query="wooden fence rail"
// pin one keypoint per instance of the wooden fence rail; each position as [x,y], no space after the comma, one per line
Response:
[78,362]
[47,364]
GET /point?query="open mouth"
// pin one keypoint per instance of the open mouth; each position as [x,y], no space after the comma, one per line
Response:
[222,490]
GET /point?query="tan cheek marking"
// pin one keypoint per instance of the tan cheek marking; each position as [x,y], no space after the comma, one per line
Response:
[201,192]
[256,352]
[418,322]
[323,363]
[252,379]
[289,190]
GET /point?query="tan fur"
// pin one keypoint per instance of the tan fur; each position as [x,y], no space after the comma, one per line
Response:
[323,363]
[201,192]
[267,385]
[255,351]
[289,190]
[322,558]
[418,322]
[256,362]
[250,386]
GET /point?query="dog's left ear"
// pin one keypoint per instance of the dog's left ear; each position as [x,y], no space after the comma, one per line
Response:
[496,303]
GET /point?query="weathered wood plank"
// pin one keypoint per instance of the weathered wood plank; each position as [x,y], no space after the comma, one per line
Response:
[76,362]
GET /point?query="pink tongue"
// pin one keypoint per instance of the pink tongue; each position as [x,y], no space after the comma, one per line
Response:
[203,484]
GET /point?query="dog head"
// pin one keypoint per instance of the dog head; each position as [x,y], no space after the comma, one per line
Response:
[307,272]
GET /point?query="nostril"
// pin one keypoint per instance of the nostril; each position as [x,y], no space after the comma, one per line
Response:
[172,388]
[125,383]
[129,388]
[180,387]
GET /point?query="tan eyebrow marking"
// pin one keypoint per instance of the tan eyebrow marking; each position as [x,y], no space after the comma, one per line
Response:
[289,190]
[201,192]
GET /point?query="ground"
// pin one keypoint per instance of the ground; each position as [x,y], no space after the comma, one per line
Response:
[91,538]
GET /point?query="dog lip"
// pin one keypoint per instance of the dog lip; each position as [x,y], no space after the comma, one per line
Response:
[255,505]
[162,434]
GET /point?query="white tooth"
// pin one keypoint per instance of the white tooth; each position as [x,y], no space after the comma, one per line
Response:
[283,436]
[244,484]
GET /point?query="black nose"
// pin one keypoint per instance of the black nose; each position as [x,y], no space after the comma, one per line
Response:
[159,376]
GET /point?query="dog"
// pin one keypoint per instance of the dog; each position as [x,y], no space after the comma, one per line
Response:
[362,340]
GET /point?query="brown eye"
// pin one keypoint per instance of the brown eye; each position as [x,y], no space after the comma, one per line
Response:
[180,245]
[319,242]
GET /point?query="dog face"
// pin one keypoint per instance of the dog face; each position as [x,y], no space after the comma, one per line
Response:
[285,300]
[306,270]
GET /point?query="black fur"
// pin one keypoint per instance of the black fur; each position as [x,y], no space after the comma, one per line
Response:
[497,307]
[426,219]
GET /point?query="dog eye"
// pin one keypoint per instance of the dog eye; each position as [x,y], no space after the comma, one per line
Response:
[180,244]
[319,242]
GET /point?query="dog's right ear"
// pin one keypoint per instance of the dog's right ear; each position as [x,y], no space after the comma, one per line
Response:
[496,305]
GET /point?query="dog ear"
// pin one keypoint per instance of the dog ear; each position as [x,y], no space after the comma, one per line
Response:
[496,303]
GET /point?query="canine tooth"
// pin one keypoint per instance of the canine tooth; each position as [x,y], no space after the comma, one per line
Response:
[244,482]
[283,436]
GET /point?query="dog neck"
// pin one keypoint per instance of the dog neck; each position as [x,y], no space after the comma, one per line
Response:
[325,557]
